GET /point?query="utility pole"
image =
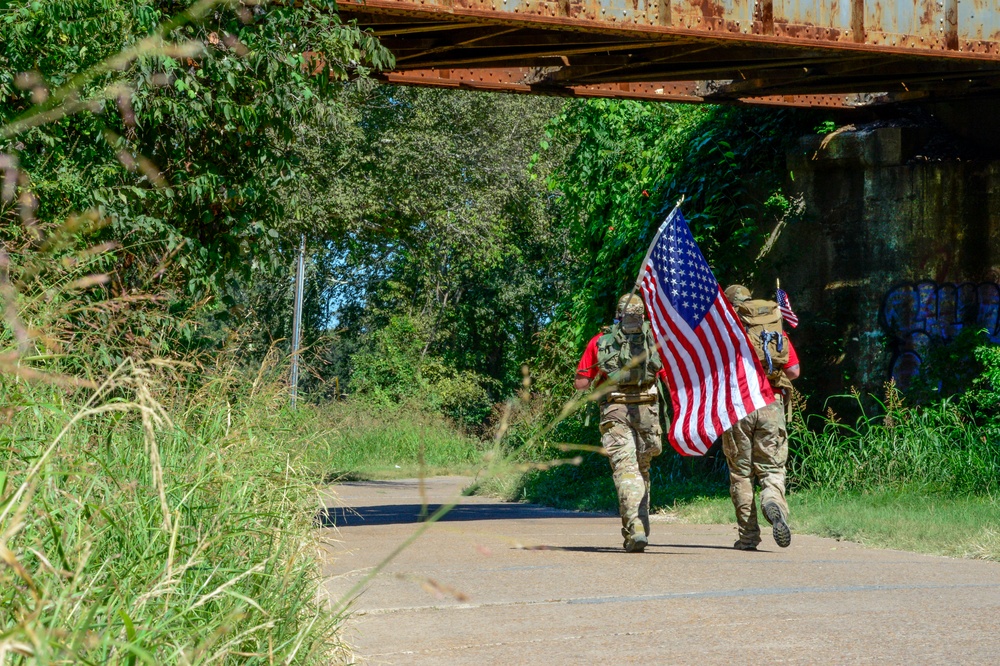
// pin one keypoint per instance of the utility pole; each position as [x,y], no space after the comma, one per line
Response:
[300,279]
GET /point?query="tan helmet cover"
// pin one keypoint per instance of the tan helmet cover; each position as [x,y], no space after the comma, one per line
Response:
[737,293]
[630,304]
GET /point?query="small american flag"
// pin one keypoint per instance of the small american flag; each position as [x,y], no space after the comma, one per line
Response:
[713,375]
[786,309]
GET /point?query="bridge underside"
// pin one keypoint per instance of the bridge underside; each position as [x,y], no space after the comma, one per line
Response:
[834,53]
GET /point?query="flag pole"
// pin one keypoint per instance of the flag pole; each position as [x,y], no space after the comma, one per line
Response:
[638,279]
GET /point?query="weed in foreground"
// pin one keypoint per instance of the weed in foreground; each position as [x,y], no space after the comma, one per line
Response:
[134,531]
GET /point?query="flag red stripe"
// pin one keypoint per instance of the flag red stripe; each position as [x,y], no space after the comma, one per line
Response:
[725,346]
[748,362]
[682,392]
[712,385]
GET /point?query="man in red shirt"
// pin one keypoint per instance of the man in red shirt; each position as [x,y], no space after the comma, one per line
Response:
[757,448]
[623,365]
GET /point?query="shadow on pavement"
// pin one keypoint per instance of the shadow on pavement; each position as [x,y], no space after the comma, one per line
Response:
[401,514]
[650,550]
[695,545]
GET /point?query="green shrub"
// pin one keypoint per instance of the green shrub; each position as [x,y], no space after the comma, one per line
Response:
[460,395]
[985,394]
[950,367]
[387,369]
[392,368]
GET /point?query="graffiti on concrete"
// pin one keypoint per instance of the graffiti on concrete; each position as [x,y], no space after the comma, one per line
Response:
[917,314]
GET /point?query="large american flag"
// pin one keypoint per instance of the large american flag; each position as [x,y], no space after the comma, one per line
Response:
[786,308]
[713,375]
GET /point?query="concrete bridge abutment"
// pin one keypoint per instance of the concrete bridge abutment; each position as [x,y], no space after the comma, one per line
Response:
[897,253]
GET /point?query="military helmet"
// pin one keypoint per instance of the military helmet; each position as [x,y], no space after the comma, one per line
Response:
[630,304]
[737,293]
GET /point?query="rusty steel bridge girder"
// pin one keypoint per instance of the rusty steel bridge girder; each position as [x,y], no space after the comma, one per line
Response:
[834,53]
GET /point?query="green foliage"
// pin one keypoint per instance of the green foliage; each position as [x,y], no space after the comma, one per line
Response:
[631,162]
[984,396]
[620,151]
[459,394]
[391,367]
[936,447]
[425,209]
[388,368]
[66,314]
[190,138]
[164,517]
[825,127]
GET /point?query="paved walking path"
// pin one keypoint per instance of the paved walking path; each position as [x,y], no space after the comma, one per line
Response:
[498,583]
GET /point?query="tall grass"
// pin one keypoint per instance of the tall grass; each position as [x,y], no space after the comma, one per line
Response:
[155,523]
[936,447]
[360,439]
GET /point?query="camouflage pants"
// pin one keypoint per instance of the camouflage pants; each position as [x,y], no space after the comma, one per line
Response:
[757,448]
[630,435]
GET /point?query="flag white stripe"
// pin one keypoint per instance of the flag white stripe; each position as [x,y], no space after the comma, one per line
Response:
[671,354]
[745,358]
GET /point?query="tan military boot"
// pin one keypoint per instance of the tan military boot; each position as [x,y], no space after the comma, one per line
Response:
[645,524]
[635,538]
[779,526]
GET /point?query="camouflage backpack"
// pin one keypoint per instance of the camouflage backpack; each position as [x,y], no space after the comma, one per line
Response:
[762,321]
[630,360]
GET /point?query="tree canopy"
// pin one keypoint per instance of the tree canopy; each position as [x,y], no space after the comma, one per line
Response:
[191,110]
